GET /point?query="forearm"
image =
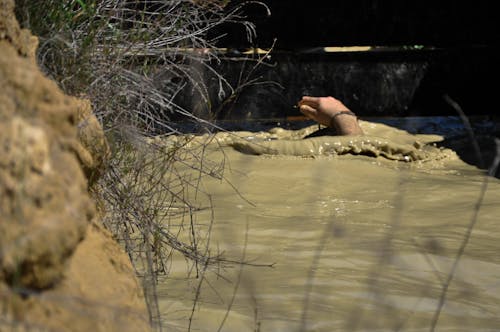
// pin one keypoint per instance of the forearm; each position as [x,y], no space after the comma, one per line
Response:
[346,123]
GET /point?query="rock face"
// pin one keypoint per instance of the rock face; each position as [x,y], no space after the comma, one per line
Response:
[59,270]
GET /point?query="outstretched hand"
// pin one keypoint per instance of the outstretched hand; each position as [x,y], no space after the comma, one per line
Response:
[330,112]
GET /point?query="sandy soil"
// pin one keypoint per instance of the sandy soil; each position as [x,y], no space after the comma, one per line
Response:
[59,270]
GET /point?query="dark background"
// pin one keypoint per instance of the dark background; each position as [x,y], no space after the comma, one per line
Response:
[303,24]
[460,58]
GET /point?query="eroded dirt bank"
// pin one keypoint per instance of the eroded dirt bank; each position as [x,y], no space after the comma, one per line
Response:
[59,270]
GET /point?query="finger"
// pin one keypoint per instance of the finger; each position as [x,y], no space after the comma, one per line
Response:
[311,101]
[307,110]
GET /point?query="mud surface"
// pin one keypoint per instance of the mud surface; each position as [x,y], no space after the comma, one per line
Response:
[336,239]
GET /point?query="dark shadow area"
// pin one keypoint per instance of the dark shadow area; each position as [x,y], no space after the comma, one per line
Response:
[462,145]
[305,24]
[456,137]
[421,50]
[380,82]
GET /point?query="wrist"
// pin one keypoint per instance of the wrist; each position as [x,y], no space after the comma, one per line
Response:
[345,123]
[333,119]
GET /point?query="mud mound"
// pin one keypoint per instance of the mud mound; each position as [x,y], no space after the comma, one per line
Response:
[340,145]
[379,141]
[56,270]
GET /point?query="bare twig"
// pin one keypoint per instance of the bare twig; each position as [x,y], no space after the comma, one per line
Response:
[475,215]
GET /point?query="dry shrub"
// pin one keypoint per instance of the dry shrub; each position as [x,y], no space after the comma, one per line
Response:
[131,59]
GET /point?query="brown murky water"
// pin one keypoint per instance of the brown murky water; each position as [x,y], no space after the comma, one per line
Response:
[362,234]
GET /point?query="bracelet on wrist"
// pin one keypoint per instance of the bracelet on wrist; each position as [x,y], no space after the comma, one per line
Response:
[340,113]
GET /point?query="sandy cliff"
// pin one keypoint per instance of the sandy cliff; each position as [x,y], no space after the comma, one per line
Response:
[59,270]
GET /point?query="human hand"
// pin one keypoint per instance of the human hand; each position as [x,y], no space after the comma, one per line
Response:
[321,109]
[330,112]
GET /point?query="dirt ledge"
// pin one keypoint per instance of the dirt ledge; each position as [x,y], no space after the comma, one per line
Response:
[59,270]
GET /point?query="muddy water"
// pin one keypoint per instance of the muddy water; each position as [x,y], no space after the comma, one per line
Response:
[341,234]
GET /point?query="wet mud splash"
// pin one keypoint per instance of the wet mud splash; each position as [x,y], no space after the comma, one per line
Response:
[380,140]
